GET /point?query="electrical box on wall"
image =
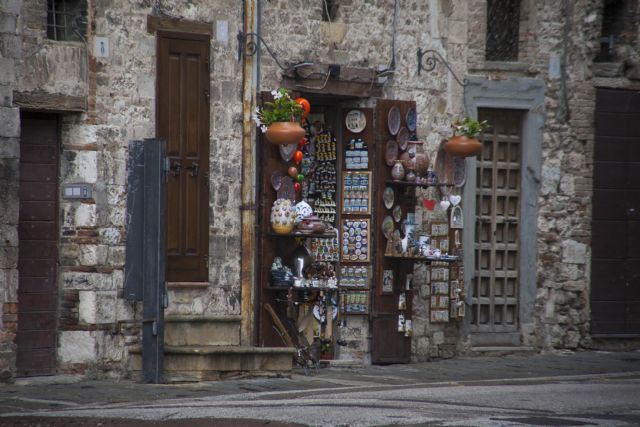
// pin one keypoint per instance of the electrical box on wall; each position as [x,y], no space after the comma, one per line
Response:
[78,191]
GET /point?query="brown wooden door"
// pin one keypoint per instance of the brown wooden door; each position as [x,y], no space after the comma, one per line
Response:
[387,344]
[615,271]
[183,121]
[494,293]
[38,254]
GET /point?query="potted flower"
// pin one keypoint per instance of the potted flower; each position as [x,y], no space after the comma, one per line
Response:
[279,120]
[464,143]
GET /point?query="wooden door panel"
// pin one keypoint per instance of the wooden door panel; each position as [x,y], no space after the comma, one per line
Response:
[615,273]
[183,120]
[495,287]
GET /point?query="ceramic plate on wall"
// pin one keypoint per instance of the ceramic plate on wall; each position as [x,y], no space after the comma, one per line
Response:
[276,180]
[387,226]
[459,171]
[391,152]
[411,119]
[287,151]
[403,138]
[397,213]
[355,121]
[388,197]
[393,120]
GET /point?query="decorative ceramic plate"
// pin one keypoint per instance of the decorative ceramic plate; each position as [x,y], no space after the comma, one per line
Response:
[388,197]
[459,171]
[276,180]
[444,166]
[397,213]
[393,120]
[403,138]
[287,191]
[391,152]
[387,226]
[287,151]
[334,314]
[355,121]
[411,119]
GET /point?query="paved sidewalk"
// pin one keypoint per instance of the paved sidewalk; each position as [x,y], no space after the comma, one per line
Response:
[66,392]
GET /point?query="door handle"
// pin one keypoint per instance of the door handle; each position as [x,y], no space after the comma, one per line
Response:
[193,169]
[175,167]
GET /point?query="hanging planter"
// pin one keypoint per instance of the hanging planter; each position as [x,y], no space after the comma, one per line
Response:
[280,120]
[284,133]
[464,142]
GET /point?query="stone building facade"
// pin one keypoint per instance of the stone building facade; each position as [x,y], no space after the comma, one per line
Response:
[102,100]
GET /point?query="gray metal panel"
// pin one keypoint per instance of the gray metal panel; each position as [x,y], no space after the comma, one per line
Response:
[134,223]
[154,258]
[518,94]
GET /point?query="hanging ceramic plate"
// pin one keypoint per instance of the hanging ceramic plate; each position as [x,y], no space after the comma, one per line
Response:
[397,213]
[334,315]
[459,171]
[393,120]
[444,166]
[411,119]
[287,151]
[387,226]
[391,152]
[355,121]
[403,138]
[388,197]
[276,180]
[287,191]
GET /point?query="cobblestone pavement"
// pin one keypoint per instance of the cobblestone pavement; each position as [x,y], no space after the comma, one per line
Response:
[372,395]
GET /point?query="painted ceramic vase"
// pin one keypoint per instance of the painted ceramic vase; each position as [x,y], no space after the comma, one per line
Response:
[397,172]
[283,216]
[303,210]
[410,176]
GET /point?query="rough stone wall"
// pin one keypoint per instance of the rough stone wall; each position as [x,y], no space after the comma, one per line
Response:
[9,182]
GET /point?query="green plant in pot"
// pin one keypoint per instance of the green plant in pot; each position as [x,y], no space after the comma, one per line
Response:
[464,142]
[279,120]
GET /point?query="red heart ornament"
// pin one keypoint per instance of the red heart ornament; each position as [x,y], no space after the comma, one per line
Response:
[429,204]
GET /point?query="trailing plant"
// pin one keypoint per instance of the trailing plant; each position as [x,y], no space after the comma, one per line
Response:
[469,127]
[282,109]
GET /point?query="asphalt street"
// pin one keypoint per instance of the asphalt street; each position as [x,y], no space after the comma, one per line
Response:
[563,389]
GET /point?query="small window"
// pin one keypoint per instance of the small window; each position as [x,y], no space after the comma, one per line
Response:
[503,25]
[66,19]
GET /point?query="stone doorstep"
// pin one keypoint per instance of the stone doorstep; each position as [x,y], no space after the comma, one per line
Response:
[501,351]
[202,363]
[191,330]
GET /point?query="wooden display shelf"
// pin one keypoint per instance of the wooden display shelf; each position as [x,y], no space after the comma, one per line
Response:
[354,288]
[355,313]
[415,184]
[305,235]
[286,288]
[422,259]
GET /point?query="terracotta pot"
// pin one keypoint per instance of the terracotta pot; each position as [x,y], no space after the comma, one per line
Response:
[463,146]
[284,133]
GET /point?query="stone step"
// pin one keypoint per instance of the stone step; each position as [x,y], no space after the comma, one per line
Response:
[210,363]
[191,330]
[501,351]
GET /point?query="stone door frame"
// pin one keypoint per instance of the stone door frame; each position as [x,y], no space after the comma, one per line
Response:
[517,94]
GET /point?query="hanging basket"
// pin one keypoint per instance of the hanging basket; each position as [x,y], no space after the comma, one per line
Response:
[284,133]
[463,146]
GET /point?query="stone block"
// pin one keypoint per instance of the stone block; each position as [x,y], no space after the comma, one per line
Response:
[85,215]
[87,281]
[574,252]
[91,255]
[87,307]
[9,121]
[76,347]
[438,338]
[8,257]
[9,147]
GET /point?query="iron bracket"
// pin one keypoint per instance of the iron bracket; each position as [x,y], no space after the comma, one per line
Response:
[248,44]
[432,61]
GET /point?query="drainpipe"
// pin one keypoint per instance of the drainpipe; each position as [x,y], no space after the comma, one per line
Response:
[248,207]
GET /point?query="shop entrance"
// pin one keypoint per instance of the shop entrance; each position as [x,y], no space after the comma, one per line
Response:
[615,271]
[495,287]
[36,337]
[183,121]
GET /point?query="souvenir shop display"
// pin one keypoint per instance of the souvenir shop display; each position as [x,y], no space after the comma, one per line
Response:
[356,193]
[355,276]
[357,154]
[355,240]
[354,302]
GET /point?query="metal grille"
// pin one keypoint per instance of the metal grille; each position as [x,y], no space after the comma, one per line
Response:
[503,22]
[495,285]
[66,19]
